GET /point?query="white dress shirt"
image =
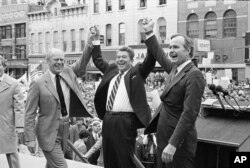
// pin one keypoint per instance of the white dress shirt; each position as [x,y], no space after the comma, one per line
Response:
[180,67]
[121,101]
[65,89]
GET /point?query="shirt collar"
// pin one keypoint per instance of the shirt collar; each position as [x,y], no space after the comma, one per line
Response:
[180,67]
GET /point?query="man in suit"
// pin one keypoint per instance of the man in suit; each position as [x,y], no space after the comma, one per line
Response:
[58,97]
[121,103]
[94,136]
[174,121]
[12,107]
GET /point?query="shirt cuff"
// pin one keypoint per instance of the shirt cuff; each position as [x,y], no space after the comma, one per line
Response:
[149,35]
[96,42]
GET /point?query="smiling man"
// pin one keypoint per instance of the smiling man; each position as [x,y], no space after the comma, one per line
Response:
[174,120]
[121,103]
[57,96]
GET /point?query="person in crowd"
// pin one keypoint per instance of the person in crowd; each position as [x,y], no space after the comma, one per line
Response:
[12,108]
[94,136]
[174,121]
[120,101]
[96,147]
[58,97]
[74,130]
[80,144]
[139,147]
[149,151]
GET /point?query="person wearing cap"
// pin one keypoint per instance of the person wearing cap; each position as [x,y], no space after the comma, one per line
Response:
[58,96]
[80,144]
[174,119]
[94,136]
[12,106]
[120,101]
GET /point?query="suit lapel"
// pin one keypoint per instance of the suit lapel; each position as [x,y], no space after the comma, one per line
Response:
[49,84]
[4,84]
[176,79]
[127,82]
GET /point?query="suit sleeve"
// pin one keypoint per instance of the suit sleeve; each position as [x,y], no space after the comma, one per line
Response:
[18,99]
[79,67]
[147,65]
[192,101]
[98,60]
[31,112]
[158,53]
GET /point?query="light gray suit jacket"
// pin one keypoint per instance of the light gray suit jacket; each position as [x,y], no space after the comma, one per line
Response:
[11,104]
[43,94]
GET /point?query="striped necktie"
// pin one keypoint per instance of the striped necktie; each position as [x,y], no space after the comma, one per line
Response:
[113,93]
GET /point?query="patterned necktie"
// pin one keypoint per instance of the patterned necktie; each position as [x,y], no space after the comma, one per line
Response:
[113,93]
[61,96]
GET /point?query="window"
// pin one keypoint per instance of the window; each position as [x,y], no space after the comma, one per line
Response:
[73,40]
[193,26]
[143,3]
[4,2]
[96,6]
[13,1]
[64,40]
[229,24]
[121,4]
[55,39]
[210,25]
[121,34]
[47,38]
[162,2]
[82,41]
[5,32]
[142,35]
[20,30]
[108,5]
[40,43]
[32,43]
[162,30]
[55,11]
[7,52]
[20,51]
[108,35]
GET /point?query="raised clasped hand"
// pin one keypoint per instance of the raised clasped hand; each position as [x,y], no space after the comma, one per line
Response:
[147,24]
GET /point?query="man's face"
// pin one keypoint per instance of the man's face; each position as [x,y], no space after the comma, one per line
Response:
[56,62]
[2,68]
[123,61]
[79,122]
[96,128]
[178,54]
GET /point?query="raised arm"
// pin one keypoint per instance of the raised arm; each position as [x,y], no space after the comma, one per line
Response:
[154,47]
[147,65]
[79,67]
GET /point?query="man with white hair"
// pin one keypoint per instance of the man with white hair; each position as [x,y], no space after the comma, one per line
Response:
[58,97]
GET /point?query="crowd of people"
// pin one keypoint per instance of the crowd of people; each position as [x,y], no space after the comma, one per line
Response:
[106,123]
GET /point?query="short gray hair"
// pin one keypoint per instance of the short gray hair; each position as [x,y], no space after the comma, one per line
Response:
[53,51]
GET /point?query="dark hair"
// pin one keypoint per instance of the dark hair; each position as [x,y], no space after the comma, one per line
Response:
[84,134]
[129,50]
[188,43]
[4,61]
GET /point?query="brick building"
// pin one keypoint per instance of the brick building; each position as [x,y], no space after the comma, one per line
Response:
[223,24]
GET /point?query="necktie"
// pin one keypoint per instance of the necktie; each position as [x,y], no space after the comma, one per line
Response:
[113,93]
[173,74]
[61,96]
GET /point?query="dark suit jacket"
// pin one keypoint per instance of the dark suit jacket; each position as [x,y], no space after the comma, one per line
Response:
[175,118]
[134,82]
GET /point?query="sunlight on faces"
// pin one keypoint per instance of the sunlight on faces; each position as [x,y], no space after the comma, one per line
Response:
[178,54]
[55,60]
[123,61]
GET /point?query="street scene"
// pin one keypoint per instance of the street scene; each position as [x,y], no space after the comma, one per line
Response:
[124,83]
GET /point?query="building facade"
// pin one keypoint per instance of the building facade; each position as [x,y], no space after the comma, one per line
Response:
[66,26]
[223,24]
[13,36]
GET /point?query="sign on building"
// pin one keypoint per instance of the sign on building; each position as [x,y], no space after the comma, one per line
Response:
[202,45]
